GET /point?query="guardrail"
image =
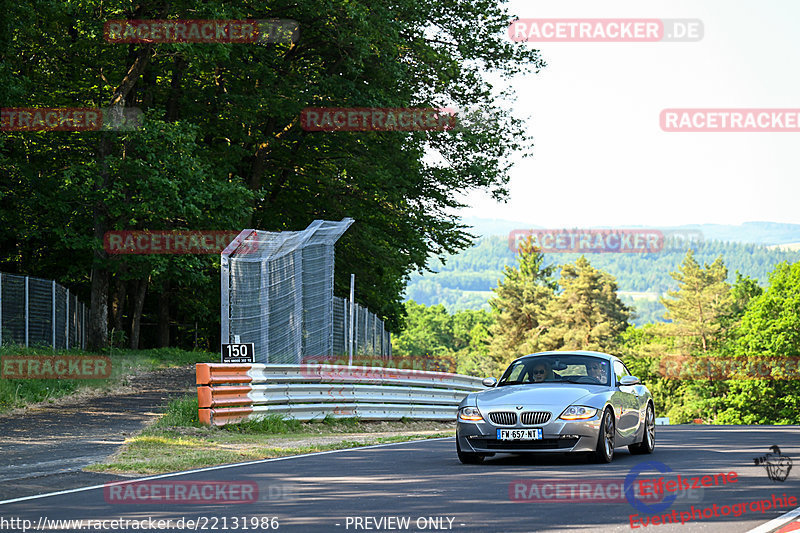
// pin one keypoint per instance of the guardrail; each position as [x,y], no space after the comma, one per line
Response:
[229,393]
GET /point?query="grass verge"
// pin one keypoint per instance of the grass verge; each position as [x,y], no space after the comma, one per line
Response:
[161,452]
[177,441]
[15,393]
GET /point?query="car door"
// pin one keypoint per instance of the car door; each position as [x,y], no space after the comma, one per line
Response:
[629,403]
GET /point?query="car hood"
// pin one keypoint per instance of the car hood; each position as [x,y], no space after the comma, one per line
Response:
[544,395]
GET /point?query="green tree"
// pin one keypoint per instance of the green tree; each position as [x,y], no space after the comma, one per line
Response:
[587,314]
[239,105]
[461,337]
[771,323]
[428,331]
[478,268]
[770,327]
[698,308]
[743,291]
[471,340]
[465,325]
[519,305]
[763,323]
[642,349]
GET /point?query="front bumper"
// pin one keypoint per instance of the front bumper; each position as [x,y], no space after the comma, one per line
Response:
[558,436]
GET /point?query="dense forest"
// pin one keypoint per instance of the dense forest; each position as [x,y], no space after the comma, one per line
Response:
[222,147]
[479,268]
[538,306]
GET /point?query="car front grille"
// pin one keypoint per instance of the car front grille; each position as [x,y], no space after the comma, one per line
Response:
[534,418]
[527,445]
[503,418]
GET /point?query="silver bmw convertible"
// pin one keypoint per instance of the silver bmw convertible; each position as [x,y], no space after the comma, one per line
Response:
[558,402]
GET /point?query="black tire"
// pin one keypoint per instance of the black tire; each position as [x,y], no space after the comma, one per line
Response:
[468,458]
[648,443]
[604,453]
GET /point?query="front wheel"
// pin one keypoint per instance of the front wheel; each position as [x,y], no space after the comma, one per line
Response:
[605,440]
[468,458]
[648,443]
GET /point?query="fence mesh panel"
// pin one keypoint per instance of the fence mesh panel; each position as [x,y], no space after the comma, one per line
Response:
[13,309]
[61,316]
[277,292]
[74,321]
[369,334]
[340,327]
[40,306]
[27,314]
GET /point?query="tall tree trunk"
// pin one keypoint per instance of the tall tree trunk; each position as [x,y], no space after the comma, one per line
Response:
[136,317]
[118,303]
[98,310]
[163,316]
[98,313]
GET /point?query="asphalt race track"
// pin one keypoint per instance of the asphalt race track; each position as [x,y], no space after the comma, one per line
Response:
[358,490]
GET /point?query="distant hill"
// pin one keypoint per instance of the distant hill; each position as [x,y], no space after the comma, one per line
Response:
[464,280]
[766,233]
[493,226]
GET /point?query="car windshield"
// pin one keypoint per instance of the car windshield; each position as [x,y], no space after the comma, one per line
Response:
[567,368]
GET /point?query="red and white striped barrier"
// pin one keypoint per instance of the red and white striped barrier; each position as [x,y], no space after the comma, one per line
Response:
[229,393]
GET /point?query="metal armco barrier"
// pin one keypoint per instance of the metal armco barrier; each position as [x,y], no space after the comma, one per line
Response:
[229,393]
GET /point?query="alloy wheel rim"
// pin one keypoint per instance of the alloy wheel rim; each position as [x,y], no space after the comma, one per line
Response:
[609,436]
[651,427]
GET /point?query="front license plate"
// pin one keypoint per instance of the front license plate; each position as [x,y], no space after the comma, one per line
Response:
[519,434]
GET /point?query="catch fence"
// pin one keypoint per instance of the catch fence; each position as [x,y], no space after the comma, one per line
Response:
[369,332]
[40,312]
[277,293]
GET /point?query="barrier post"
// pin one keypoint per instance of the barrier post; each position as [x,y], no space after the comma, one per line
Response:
[53,314]
[352,301]
[66,323]
[27,313]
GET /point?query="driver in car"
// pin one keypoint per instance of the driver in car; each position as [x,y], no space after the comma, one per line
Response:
[540,372]
[597,370]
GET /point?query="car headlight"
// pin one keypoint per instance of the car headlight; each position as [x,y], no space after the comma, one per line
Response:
[470,414]
[578,412]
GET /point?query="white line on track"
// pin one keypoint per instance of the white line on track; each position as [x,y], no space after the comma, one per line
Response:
[775,523]
[211,468]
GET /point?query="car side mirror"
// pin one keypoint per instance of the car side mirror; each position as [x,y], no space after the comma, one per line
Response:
[627,381]
[489,382]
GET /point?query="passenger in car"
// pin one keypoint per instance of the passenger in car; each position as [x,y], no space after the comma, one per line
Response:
[597,370]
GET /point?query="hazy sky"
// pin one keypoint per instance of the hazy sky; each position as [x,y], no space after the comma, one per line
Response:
[600,157]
